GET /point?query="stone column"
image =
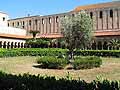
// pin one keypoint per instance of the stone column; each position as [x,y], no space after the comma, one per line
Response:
[52,24]
[102,43]
[8,45]
[115,19]
[110,20]
[100,20]
[5,45]
[2,44]
[104,20]
[96,46]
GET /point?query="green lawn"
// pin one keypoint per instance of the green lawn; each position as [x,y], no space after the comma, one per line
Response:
[110,69]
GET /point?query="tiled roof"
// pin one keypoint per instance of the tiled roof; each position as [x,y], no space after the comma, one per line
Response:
[107,33]
[101,5]
[46,36]
[97,34]
[12,36]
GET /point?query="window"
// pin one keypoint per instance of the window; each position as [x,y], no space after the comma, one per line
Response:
[13,24]
[36,22]
[43,21]
[111,13]
[101,14]
[91,14]
[30,22]
[57,19]
[17,23]
[3,18]
[8,24]
[23,23]
[73,15]
[49,20]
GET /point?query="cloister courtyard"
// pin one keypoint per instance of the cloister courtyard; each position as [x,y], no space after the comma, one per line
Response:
[110,69]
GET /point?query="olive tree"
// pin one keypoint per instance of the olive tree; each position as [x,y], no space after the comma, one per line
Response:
[34,33]
[77,31]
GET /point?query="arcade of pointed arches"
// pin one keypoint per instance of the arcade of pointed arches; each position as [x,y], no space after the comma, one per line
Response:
[8,44]
[96,44]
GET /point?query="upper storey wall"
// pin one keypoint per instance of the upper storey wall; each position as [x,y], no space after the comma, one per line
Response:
[98,6]
[106,17]
[3,19]
[49,24]
[4,29]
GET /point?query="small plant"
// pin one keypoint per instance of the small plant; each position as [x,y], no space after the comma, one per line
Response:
[52,62]
[68,76]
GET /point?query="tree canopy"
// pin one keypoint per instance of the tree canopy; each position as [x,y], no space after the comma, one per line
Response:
[77,30]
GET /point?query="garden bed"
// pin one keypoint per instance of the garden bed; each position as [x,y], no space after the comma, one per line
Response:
[52,62]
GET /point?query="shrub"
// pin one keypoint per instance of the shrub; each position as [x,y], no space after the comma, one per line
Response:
[32,52]
[52,62]
[38,43]
[56,52]
[103,53]
[86,62]
[33,82]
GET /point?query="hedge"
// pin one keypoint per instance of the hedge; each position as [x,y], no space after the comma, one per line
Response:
[56,52]
[52,62]
[87,62]
[32,52]
[103,53]
[37,82]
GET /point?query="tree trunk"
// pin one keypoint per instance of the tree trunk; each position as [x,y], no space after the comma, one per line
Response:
[71,54]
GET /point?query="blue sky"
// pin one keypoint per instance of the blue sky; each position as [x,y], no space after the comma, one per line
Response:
[21,8]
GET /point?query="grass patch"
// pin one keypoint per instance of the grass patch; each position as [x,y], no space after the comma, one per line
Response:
[110,68]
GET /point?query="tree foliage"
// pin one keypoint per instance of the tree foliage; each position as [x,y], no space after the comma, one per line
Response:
[77,31]
[34,33]
[114,43]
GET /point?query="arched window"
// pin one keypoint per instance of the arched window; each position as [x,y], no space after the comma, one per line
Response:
[3,18]
[101,14]
[17,23]
[30,22]
[73,15]
[13,24]
[56,19]
[8,24]
[23,23]
[36,21]
[111,13]
[43,21]
[91,14]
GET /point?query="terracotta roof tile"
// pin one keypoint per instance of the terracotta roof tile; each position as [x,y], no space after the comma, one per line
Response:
[107,33]
[12,36]
[97,34]
[101,5]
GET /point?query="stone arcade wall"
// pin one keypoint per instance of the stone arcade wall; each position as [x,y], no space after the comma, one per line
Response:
[106,17]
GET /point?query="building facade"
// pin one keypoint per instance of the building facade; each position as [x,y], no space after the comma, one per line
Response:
[10,37]
[106,17]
